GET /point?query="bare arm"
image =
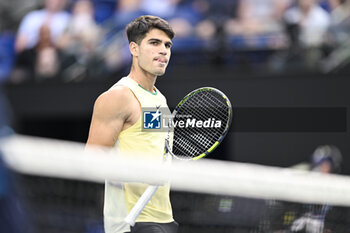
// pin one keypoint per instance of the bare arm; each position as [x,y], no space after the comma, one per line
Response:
[22,39]
[20,43]
[113,112]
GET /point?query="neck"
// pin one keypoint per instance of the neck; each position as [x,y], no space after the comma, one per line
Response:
[145,79]
[306,9]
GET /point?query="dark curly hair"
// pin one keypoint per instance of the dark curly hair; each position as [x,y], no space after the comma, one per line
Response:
[137,29]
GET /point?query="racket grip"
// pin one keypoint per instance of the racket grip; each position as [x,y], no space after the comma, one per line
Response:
[140,205]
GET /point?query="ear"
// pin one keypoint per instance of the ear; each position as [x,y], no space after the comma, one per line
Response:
[134,49]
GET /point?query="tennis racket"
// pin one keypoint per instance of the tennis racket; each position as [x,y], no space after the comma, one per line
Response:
[200,122]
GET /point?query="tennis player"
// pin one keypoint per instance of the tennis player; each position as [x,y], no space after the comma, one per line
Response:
[117,122]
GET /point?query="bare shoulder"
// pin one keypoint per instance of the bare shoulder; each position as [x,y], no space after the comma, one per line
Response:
[112,113]
[114,101]
[114,95]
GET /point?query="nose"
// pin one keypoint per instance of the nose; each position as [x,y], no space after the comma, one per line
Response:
[163,51]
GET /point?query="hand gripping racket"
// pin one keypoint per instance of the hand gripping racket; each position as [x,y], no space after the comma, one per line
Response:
[200,121]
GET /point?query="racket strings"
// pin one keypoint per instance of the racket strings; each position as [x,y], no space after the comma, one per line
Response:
[206,106]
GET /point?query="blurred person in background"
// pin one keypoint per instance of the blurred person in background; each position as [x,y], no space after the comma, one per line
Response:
[171,10]
[256,17]
[115,48]
[126,11]
[325,159]
[256,31]
[337,42]
[340,22]
[183,15]
[213,15]
[311,19]
[288,217]
[178,13]
[79,42]
[37,38]
[307,23]
[7,54]
[332,4]
[5,115]
[209,24]
[162,8]
[13,217]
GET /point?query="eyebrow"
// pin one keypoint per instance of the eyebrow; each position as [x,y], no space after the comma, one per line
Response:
[158,40]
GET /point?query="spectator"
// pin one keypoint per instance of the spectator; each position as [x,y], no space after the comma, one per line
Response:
[79,42]
[179,14]
[332,4]
[7,55]
[162,8]
[104,10]
[306,24]
[337,42]
[311,20]
[339,29]
[127,10]
[13,219]
[213,15]
[115,45]
[325,159]
[256,17]
[37,38]
[47,61]
[5,115]
[52,15]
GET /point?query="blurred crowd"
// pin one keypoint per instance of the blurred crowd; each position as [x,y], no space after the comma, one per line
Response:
[75,39]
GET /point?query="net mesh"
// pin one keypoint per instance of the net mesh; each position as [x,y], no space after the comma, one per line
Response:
[60,205]
[55,186]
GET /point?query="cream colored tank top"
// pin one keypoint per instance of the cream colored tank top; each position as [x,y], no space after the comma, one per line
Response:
[138,141]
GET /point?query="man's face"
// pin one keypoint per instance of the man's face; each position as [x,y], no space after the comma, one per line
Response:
[306,4]
[55,5]
[324,167]
[154,52]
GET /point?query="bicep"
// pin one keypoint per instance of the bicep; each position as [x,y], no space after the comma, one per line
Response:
[104,132]
[25,29]
[107,121]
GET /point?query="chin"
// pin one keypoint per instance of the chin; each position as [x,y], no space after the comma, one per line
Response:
[159,72]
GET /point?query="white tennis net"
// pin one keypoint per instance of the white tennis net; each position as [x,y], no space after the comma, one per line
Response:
[225,183]
[54,158]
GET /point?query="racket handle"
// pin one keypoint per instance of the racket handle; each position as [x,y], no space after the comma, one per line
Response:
[140,205]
